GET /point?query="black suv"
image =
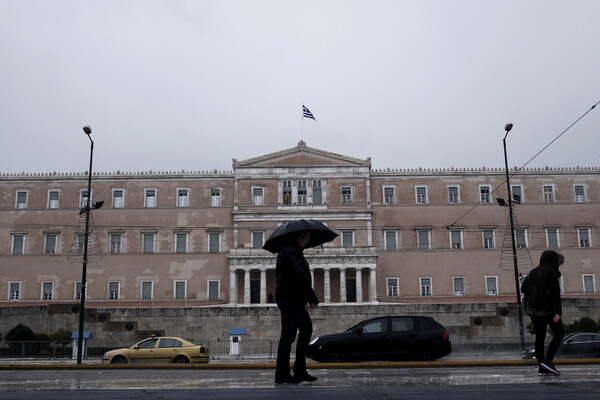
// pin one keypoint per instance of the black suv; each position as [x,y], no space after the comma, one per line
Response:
[404,337]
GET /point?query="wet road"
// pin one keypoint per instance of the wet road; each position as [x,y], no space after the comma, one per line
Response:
[576,382]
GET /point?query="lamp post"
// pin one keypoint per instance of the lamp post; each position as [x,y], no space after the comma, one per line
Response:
[88,131]
[507,128]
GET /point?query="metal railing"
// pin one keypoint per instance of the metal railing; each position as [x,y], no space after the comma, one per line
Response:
[259,348]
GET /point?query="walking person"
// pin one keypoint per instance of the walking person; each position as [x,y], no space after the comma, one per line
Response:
[293,291]
[543,304]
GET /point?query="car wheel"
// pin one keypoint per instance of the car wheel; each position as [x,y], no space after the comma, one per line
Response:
[118,360]
[333,354]
[181,360]
[423,353]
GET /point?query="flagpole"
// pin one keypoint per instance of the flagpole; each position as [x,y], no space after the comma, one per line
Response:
[302,125]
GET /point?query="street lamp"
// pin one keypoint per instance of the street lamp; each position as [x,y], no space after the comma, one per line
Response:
[88,131]
[508,128]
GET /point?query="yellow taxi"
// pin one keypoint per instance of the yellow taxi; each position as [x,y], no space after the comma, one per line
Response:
[158,350]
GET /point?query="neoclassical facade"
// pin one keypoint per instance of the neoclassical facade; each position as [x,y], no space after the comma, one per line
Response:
[174,239]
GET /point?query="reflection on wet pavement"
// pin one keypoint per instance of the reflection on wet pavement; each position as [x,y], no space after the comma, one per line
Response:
[204,379]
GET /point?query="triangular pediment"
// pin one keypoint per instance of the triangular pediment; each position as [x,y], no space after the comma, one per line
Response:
[299,156]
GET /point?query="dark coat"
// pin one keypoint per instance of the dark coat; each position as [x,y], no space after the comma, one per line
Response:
[541,287]
[293,280]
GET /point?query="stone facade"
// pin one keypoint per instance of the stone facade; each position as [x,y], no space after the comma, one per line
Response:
[181,240]
[466,322]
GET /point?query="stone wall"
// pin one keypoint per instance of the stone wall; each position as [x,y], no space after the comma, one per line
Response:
[467,322]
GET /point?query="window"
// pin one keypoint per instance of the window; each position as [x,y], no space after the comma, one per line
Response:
[47,290]
[346,192]
[425,284]
[390,240]
[552,238]
[347,238]
[18,243]
[388,195]
[115,243]
[148,344]
[169,343]
[258,239]
[589,284]
[458,284]
[21,199]
[583,234]
[257,196]
[118,198]
[147,243]
[113,290]
[81,243]
[453,195]
[521,238]
[548,193]
[83,198]
[180,289]
[424,239]
[302,193]
[77,290]
[53,197]
[14,291]
[517,193]
[146,290]
[214,242]
[491,285]
[317,188]
[181,242]
[456,239]
[402,324]
[150,198]
[484,193]
[183,197]
[392,287]
[214,290]
[50,243]
[287,192]
[378,326]
[215,197]
[421,193]
[488,238]
[579,193]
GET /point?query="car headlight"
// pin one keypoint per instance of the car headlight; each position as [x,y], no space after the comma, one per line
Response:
[314,340]
[105,355]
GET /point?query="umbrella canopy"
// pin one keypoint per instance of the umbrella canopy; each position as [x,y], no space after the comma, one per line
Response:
[286,233]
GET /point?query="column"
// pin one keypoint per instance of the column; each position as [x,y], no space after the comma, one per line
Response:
[263,285]
[233,297]
[342,284]
[247,286]
[373,284]
[359,296]
[326,286]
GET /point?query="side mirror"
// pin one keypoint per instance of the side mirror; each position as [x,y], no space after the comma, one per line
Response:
[136,348]
[359,331]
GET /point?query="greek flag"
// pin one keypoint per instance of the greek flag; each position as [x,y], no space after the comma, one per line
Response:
[306,113]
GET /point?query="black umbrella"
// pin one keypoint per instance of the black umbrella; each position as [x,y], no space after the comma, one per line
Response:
[286,233]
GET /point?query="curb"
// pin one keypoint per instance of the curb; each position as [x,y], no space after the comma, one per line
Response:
[271,365]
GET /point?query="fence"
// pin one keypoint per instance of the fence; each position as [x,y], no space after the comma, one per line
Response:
[263,348]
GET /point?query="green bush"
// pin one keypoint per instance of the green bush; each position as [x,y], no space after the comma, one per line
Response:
[61,335]
[585,324]
[20,333]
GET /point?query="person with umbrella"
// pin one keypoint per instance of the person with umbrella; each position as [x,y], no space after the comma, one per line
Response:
[293,291]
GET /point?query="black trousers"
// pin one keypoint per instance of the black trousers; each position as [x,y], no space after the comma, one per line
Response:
[294,319]
[558,331]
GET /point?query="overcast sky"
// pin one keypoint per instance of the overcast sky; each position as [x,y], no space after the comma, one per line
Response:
[172,85]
